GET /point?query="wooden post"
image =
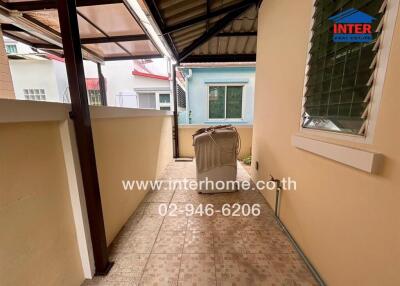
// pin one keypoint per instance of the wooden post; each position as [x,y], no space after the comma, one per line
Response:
[81,118]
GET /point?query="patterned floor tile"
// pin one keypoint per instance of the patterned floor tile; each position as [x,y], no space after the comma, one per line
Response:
[197,269]
[128,268]
[228,242]
[140,242]
[161,270]
[289,269]
[169,242]
[267,242]
[243,269]
[174,223]
[227,224]
[200,223]
[177,249]
[155,209]
[159,196]
[187,196]
[198,242]
[147,223]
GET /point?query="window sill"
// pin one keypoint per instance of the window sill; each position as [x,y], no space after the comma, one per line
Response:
[335,135]
[366,161]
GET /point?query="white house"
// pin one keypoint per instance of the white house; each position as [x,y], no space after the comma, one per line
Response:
[35,75]
[135,84]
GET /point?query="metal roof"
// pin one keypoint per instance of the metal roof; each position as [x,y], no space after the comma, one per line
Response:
[208,30]
[109,29]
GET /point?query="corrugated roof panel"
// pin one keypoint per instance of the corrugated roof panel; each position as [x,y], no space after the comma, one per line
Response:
[251,46]
[184,11]
[247,22]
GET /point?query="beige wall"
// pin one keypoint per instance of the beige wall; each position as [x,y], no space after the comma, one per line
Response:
[186,140]
[129,148]
[38,242]
[6,85]
[346,221]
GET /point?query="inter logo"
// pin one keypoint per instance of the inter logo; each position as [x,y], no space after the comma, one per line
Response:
[352,26]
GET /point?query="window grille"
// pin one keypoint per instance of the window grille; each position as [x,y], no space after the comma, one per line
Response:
[340,76]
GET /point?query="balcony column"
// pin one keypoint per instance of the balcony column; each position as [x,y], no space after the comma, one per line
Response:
[176,130]
[102,85]
[81,118]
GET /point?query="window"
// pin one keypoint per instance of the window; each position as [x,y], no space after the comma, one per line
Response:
[164,101]
[340,76]
[225,102]
[181,96]
[147,100]
[94,97]
[11,49]
[165,98]
[35,94]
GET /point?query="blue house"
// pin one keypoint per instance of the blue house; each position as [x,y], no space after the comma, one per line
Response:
[219,95]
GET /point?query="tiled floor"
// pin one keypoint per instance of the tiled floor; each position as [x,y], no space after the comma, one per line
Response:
[202,250]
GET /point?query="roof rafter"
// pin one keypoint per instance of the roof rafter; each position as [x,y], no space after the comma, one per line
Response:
[161,25]
[11,28]
[214,30]
[52,4]
[123,58]
[211,14]
[113,39]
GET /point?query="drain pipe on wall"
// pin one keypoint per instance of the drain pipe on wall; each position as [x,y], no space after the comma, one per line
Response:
[308,263]
[175,131]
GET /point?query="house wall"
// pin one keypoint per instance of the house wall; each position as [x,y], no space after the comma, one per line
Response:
[345,220]
[198,93]
[45,233]
[35,74]
[186,140]
[120,80]
[128,149]
[6,85]
[60,73]
[38,239]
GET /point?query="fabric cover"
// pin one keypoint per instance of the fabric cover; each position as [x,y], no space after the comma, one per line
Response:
[215,148]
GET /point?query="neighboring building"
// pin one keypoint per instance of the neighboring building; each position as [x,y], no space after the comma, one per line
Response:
[135,84]
[143,84]
[35,75]
[219,94]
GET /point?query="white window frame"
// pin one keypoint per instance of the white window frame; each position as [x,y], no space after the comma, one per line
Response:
[11,44]
[161,104]
[226,86]
[97,101]
[157,93]
[389,23]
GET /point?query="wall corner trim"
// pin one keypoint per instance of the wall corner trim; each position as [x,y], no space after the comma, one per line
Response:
[366,161]
[77,197]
